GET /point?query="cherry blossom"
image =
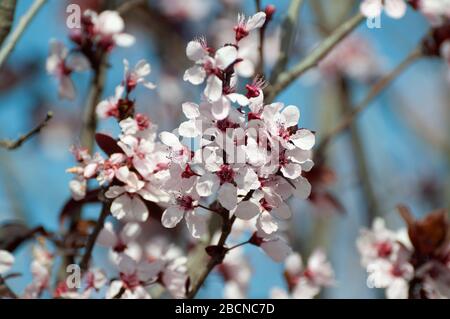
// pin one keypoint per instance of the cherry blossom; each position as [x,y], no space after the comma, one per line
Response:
[437,11]
[405,263]
[137,75]
[393,8]
[209,68]
[61,65]
[121,243]
[107,29]
[134,278]
[245,26]
[305,282]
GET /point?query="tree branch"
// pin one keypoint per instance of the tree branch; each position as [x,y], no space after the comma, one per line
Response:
[320,52]
[217,258]
[289,27]
[382,84]
[95,94]
[19,30]
[7,10]
[13,145]
[84,264]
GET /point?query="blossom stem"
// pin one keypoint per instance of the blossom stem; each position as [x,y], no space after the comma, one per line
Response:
[19,30]
[7,10]
[238,245]
[13,145]
[376,89]
[288,77]
[216,259]
[84,264]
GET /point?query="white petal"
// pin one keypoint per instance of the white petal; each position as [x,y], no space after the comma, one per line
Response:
[130,232]
[266,223]
[247,210]
[283,211]
[114,288]
[142,69]
[220,109]
[395,8]
[195,51]
[291,170]
[139,211]
[207,185]
[107,236]
[6,261]
[170,140]
[277,249]
[226,56]
[127,265]
[66,88]
[227,196]
[195,75]
[121,206]
[256,21]
[213,90]
[78,63]
[114,191]
[189,129]
[245,68]
[240,99]
[191,110]
[371,8]
[302,188]
[294,264]
[291,116]
[124,40]
[110,22]
[304,139]
[172,216]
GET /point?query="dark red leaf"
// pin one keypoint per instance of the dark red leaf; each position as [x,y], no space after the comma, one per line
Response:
[107,144]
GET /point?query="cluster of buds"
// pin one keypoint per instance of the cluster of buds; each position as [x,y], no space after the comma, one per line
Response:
[412,262]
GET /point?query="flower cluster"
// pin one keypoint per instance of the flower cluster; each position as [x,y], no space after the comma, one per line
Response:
[249,154]
[98,35]
[305,282]
[411,263]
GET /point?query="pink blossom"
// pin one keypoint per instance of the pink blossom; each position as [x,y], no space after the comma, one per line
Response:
[61,65]
[393,8]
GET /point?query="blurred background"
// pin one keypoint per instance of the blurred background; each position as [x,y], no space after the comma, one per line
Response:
[398,151]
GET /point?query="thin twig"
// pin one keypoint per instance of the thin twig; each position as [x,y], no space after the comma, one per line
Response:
[215,260]
[289,28]
[7,10]
[320,52]
[382,84]
[84,264]
[13,145]
[19,30]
